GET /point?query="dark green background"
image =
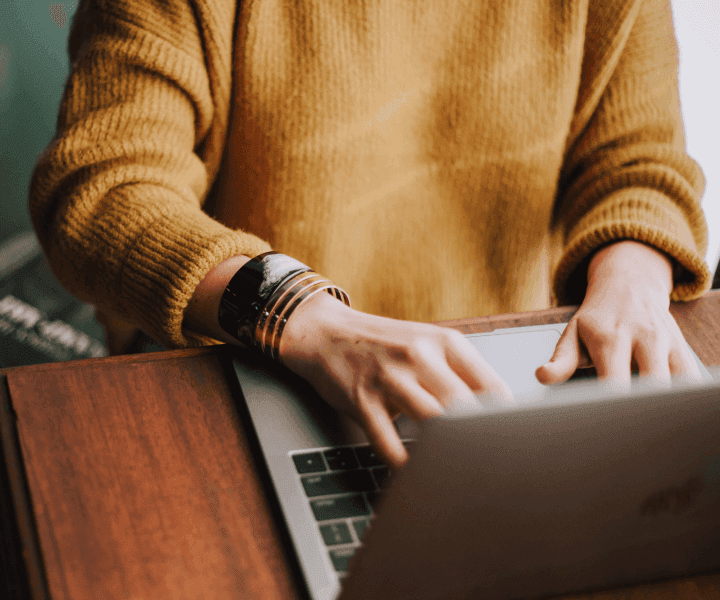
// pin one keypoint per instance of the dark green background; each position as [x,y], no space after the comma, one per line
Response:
[33,70]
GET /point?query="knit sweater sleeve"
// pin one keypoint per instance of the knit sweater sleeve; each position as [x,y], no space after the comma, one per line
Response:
[626,173]
[116,197]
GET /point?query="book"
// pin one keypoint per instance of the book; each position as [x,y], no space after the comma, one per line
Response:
[40,321]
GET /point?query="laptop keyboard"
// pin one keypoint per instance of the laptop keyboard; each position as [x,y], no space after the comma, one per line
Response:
[342,486]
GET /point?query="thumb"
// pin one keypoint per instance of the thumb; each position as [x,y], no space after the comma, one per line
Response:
[565,360]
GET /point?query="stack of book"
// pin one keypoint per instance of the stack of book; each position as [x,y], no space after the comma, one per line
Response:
[40,321]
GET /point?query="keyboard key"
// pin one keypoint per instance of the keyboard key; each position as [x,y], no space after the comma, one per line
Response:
[360,526]
[372,498]
[341,557]
[382,476]
[367,457]
[309,463]
[336,533]
[341,459]
[338,483]
[339,508]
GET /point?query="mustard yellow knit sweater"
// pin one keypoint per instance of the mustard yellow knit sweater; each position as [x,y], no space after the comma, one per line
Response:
[437,159]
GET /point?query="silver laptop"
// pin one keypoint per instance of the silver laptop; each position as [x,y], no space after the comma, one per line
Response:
[329,484]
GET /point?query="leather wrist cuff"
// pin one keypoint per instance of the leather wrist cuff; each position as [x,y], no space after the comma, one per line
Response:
[262,295]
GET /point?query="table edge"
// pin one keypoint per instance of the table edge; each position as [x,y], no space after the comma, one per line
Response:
[30,554]
[25,536]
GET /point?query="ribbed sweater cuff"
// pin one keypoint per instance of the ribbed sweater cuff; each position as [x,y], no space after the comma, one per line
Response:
[167,263]
[639,214]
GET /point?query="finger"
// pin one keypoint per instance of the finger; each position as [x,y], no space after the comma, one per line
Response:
[682,362]
[382,433]
[401,389]
[444,384]
[652,360]
[612,360]
[473,369]
[569,355]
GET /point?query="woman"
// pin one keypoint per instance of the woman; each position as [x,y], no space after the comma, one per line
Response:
[435,160]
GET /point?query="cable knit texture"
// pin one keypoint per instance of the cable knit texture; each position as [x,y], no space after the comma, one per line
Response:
[436,159]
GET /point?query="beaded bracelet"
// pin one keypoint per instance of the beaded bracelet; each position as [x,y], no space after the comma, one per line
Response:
[261,296]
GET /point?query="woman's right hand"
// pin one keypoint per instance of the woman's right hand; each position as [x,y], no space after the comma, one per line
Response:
[375,368]
[371,367]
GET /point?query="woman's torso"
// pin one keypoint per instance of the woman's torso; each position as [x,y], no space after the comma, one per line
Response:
[409,151]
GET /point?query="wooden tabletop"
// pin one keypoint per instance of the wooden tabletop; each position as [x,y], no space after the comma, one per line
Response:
[132,477]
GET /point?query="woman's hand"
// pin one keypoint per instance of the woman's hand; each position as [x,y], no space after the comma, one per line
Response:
[371,367]
[624,320]
[374,368]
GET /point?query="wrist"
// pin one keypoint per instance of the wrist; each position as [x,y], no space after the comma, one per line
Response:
[201,312]
[634,261]
[313,321]
[254,302]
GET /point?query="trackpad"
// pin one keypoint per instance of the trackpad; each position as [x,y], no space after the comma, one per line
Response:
[515,355]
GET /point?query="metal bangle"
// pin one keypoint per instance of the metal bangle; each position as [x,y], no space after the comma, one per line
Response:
[279,300]
[261,296]
[250,289]
[320,286]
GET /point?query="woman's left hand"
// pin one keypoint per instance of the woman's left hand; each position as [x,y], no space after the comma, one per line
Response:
[624,320]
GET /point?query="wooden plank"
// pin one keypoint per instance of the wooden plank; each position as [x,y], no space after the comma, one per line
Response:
[560,314]
[24,571]
[699,321]
[116,360]
[142,484]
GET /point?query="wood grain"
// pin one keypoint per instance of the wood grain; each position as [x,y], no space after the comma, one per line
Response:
[23,573]
[143,485]
[141,481]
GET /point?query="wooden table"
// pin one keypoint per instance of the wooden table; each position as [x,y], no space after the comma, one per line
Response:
[132,477]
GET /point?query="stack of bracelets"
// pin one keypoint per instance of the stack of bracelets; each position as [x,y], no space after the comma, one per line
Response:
[261,296]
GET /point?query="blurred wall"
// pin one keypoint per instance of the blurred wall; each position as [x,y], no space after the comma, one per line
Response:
[33,68]
[34,64]
[697,26]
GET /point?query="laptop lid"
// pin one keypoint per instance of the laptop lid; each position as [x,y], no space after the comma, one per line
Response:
[287,416]
[583,490]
